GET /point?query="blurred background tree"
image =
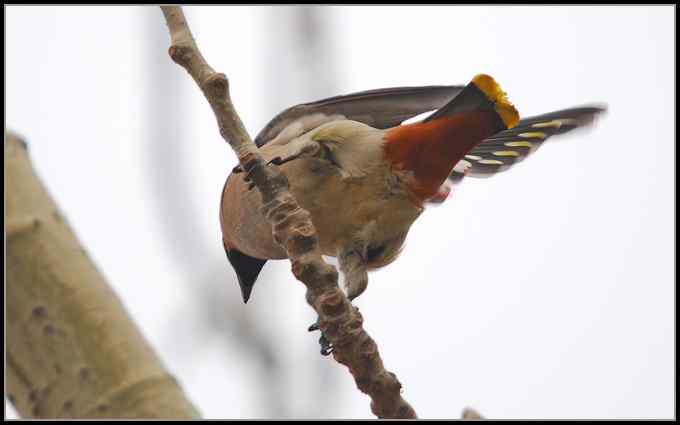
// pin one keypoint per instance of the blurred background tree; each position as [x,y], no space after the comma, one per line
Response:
[298,47]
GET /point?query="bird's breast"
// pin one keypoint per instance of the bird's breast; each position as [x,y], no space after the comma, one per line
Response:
[340,207]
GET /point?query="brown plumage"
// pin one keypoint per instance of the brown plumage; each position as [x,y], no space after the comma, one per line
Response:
[365,178]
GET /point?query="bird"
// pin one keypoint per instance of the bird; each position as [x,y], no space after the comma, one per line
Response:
[365,175]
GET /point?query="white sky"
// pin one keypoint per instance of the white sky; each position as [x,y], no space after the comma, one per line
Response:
[544,292]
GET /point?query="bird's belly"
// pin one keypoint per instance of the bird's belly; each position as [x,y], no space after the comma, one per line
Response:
[340,208]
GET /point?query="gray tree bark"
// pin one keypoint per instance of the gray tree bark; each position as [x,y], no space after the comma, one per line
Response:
[72,350]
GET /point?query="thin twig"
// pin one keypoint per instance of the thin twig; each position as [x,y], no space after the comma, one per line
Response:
[293,229]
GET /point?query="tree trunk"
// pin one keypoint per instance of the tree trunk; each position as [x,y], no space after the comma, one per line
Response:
[72,350]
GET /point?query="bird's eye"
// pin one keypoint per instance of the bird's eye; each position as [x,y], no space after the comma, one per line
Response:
[374,252]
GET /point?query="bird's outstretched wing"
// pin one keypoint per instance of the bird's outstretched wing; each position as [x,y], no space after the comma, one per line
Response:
[504,149]
[380,108]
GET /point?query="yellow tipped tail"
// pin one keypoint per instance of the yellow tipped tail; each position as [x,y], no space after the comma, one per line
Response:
[505,109]
[483,93]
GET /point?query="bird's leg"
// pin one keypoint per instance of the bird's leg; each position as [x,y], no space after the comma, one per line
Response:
[295,149]
[353,266]
[301,149]
[277,160]
[326,346]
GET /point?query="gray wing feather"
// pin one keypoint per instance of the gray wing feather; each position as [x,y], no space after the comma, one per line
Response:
[381,108]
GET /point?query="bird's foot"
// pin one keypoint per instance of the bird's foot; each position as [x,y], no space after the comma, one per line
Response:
[277,160]
[326,346]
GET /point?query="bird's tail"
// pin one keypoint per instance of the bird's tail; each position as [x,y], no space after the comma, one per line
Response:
[506,148]
[430,149]
[482,94]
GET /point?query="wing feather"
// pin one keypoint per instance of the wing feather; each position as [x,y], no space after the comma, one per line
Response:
[380,108]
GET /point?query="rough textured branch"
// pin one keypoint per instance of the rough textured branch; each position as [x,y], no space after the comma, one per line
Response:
[293,229]
[72,351]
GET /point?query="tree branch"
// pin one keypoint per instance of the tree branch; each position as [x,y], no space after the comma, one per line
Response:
[293,229]
[72,351]
[470,413]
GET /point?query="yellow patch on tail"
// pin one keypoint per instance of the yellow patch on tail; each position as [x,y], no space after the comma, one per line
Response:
[493,92]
